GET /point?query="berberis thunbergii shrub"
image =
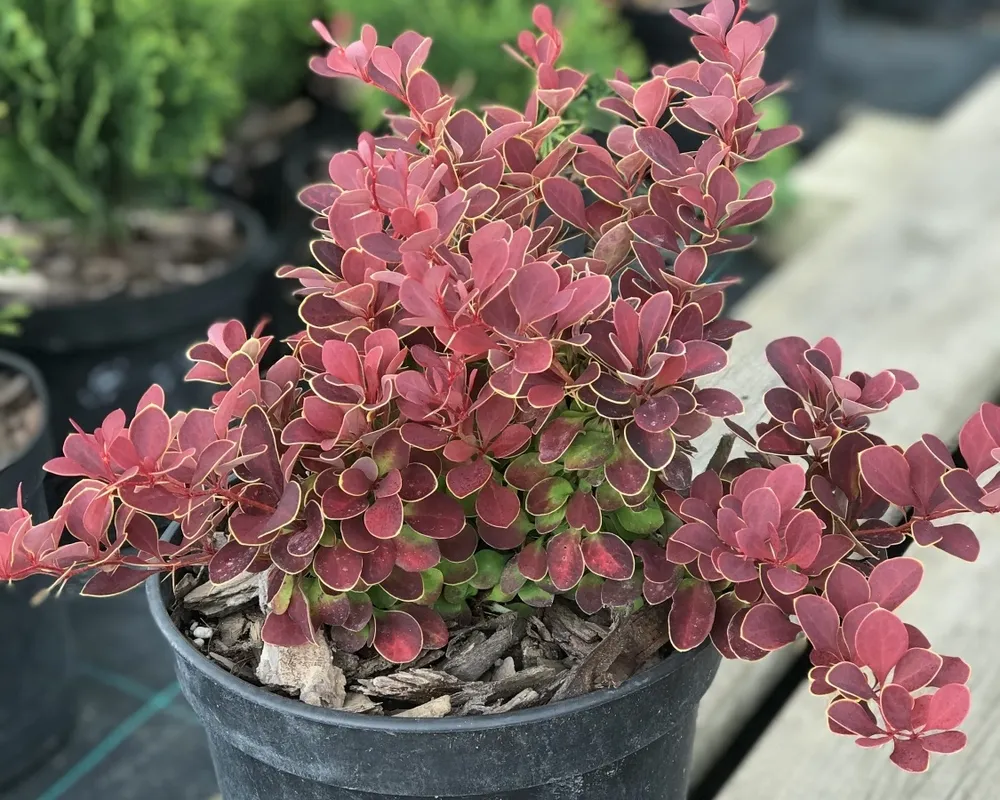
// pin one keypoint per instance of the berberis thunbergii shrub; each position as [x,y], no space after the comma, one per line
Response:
[471,413]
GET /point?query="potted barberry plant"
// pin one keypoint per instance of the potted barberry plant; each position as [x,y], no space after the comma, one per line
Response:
[454,543]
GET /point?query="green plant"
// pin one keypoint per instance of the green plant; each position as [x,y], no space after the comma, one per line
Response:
[11,262]
[108,102]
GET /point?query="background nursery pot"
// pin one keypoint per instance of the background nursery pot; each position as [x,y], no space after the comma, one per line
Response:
[36,707]
[101,355]
[631,743]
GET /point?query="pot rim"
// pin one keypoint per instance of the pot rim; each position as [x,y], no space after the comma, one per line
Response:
[328,716]
[25,367]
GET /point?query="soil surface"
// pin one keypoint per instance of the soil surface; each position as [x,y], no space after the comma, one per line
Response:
[495,662]
[20,414]
[158,251]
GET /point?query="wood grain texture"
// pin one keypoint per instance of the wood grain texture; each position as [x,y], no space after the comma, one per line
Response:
[912,283]
[909,279]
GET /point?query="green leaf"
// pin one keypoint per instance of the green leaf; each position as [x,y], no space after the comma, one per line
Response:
[456,573]
[641,522]
[490,567]
[589,451]
[497,596]
[433,585]
[281,599]
[535,596]
[381,598]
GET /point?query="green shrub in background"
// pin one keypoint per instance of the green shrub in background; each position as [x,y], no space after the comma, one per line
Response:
[108,102]
[776,165]
[11,262]
[468,39]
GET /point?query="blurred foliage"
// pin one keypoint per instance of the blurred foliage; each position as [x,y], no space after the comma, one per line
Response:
[108,102]
[11,261]
[467,56]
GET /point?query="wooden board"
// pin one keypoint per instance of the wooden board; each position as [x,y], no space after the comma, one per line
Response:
[910,280]
[912,283]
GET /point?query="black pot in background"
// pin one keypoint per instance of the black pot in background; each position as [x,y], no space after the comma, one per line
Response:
[919,65]
[924,12]
[102,355]
[631,743]
[37,703]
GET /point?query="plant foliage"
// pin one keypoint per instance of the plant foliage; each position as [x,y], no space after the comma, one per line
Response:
[470,412]
[106,102]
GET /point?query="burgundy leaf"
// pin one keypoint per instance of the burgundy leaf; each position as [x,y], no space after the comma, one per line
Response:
[583,512]
[384,517]
[894,580]
[415,552]
[768,627]
[438,516]
[398,636]
[497,506]
[691,614]
[881,641]
[468,478]
[608,556]
[565,560]
[338,567]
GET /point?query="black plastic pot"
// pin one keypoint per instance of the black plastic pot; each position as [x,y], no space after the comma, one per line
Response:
[37,704]
[631,743]
[921,64]
[102,355]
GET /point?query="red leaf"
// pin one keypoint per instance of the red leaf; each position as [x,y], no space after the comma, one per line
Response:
[390,452]
[583,512]
[660,148]
[850,680]
[497,506]
[438,516]
[948,708]
[894,580]
[768,627]
[819,620]
[398,637]
[533,562]
[558,436]
[853,717]
[846,588]
[691,615]
[588,594]
[654,450]
[608,556]
[947,742]
[880,642]
[565,200]
[565,560]
[657,415]
[338,567]
[434,629]
[356,535]
[339,505]
[403,585]
[916,669]
[114,582]
[887,472]
[384,517]
[897,707]
[508,538]
[468,478]
[625,472]
[548,496]
[418,482]
[414,552]
[150,434]
[231,561]
[379,563]
[423,437]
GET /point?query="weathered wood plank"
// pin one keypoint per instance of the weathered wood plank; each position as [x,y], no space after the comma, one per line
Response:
[912,284]
[909,280]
